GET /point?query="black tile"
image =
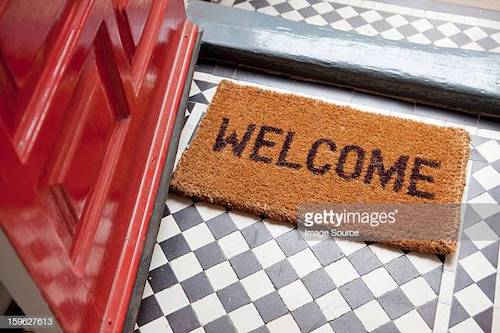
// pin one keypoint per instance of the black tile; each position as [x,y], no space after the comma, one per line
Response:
[487,43]
[457,314]
[175,247]
[347,323]
[221,225]
[197,287]
[283,7]
[210,255]
[487,285]
[407,30]
[245,264]
[258,4]
[161,278]
[331,17]
[220,325]
[485,319]
[291,242]
[233,296]
[356,21]
[318,283]
[428,312]
[381,25]
[183,320]
[490,252]
[433,34]
[401,270]
[327,252]
[262,329]
[364,260]
[433,278]
[387,328]
[204,85]
[149,311]
[467,247]
[281,273]
[270,307]
[256,234]
[395,303]
[461,39]
[307,12]
[356,293]
[462,279]
[309,317]
[187,217]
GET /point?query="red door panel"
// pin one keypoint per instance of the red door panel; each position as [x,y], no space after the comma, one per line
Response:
[89,92]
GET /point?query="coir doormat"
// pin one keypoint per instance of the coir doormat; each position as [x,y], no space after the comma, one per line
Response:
[270,153]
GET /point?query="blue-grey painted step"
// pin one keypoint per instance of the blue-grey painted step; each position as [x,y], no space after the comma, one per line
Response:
[456,79]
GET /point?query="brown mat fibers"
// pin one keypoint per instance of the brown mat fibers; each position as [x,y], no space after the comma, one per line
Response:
[266,153]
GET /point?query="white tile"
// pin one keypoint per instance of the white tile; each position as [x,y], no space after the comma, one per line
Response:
[418,291]
[384,253]
[445,42]
[299,4]
[412,322]
[243,220]
[172,299]
[495,325]
[490,150]
[246,318]
[168,228]
[233,244]
[347,12]
[467,326]
[341,25]
[448,29]
[488,177]
[485,205]
[269,11]
[158,258]
[475,33]
[325,7]
[283,324]
[294,295]
[379,281]
[293,16]
[473,300]
[341,272]
[221,275]
[371,315]
[326,328]
[424,262]
[396,21]
[367,30]
[316,20]
[477,266]
[276,228]
[157,325]
[198,236]
[257,285]
[208,211]
[392,34]
[268,253]
[422,25]
[372,16]
[176,202]
[481,234]
[208,309]
[304,262]
[333,304]
[419,39]
[186,266]
[349,247]
[196,115]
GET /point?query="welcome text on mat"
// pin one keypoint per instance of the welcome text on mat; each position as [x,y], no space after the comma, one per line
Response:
[240,142]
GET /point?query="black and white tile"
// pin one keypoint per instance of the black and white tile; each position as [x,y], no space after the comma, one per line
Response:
[215,270]
[379,19]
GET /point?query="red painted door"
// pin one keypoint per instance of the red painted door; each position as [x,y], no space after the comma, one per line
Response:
[88,96]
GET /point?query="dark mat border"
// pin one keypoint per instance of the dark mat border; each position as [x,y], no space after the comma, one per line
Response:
[462,80]
[161,197]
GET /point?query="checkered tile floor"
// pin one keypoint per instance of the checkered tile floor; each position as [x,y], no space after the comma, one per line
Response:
[375,18]
[215,270]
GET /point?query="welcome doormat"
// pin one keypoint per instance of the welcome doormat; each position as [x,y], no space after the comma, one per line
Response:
[270,153]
